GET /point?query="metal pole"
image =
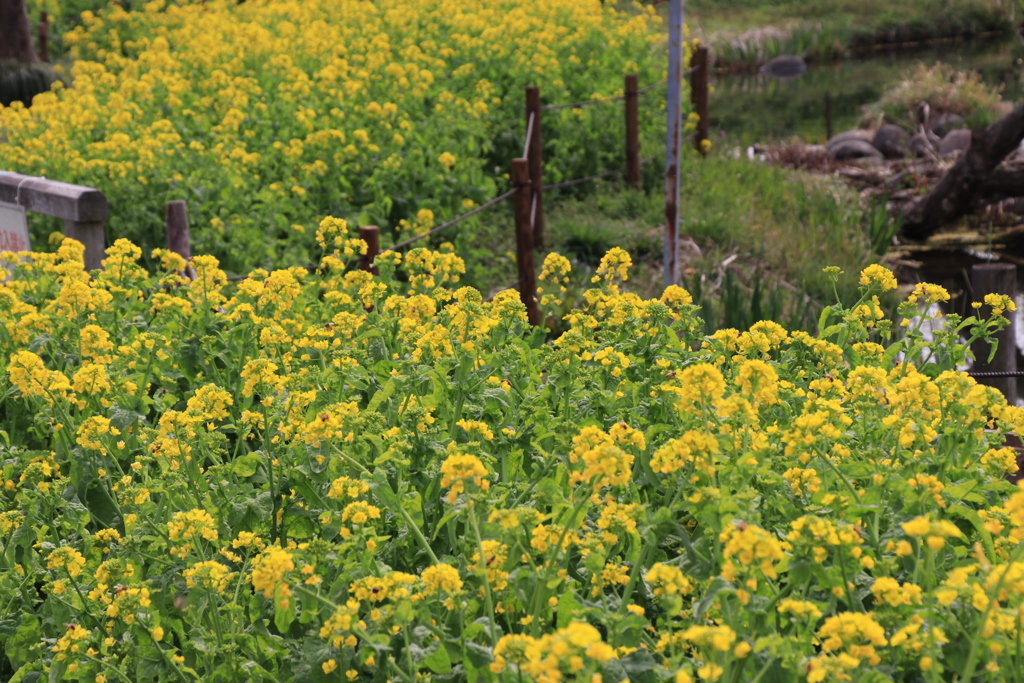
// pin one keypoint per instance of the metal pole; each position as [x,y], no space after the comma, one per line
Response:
[699,96]
[670,258]
[632,132]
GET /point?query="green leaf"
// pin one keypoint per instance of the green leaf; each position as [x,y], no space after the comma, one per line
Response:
[640,666]
[974,518]
[382,395]
[412,503]
[122,418]
[568,606]
[101,506]
[382,490]
[19,647]
[830,330]
[965,491]
[477,657]
[246,465]
[57,670]
[438,661]
[717,586]
[283,616]
[825,313]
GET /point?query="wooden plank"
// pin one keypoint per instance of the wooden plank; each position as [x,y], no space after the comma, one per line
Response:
[92,235]
[54,198]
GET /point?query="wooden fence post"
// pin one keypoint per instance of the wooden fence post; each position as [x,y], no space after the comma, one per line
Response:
[44,36]
[371,235]
[524,239]
[92,236]
[632,132]
[535,153]
[83,209]
[828,116]
[996,278]
[179,239]
[699,95]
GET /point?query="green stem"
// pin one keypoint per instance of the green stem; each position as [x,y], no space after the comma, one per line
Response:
[488,600]
[971,664]
[846,582]
[634,575]
[420,538]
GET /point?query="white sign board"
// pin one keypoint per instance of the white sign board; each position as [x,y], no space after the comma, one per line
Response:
[13,228]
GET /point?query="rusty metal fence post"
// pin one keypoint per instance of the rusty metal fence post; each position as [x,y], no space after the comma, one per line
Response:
[524,239]
[699,96]
[673,142]
[535,154]
[632,132]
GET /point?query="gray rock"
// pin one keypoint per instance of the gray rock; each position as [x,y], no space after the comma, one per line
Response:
[892,141]
[839,138]
[944,123]
[786,66]
[920,145]
[955,141]
[853,148]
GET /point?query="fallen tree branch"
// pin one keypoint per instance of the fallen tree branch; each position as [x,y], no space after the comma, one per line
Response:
[965,183]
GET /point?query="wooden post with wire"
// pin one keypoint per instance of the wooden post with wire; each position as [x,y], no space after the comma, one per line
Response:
[996,278]
[535,154]
[699,96]
[523,203]
[632,132]
[371,235]
[44,37]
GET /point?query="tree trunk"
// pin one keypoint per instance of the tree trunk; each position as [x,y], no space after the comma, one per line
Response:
[15,33]
[966,183]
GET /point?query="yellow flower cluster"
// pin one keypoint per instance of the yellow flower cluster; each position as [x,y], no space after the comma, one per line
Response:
[281,111]
[395,482]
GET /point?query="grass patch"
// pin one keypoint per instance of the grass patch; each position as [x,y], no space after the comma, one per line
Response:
[823,29]
[944,89]
[863,15]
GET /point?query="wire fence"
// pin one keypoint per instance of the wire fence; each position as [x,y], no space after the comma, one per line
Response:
[483,207]
[532,128]
[613,98]
[526,150]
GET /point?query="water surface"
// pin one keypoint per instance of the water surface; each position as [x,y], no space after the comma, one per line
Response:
[752,108]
